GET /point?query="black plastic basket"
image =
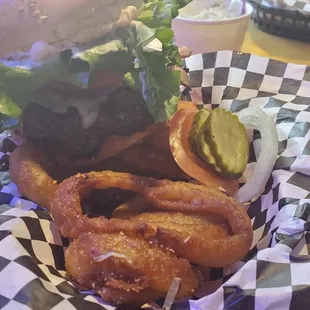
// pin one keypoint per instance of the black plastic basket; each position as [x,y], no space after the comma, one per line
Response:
[287,23]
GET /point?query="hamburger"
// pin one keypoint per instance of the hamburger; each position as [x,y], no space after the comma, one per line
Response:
[83,81]
[92,85]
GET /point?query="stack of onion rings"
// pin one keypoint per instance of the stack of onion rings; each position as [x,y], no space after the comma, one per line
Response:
[171,226]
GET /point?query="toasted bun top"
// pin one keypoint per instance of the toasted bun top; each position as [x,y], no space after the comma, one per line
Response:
[60,23]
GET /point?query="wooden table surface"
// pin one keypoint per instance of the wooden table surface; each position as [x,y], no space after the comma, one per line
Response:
[264,44]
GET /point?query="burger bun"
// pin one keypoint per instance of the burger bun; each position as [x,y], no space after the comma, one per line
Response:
[60,24]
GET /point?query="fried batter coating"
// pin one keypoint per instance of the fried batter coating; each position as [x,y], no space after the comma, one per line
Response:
[33,182]
[193,237]
[188,234]
[36,173]
[164,195]
[127,270]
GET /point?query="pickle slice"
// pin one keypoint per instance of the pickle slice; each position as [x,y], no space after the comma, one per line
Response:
[197,139]
[197,127]
[228,142]
[204,151]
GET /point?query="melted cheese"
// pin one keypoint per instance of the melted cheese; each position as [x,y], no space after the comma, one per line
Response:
[41,50]
[88,108]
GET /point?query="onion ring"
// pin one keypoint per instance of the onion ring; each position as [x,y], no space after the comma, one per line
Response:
[31,179]
[165,195]
[123,269]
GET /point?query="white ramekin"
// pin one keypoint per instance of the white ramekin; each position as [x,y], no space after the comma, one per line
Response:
[204,36]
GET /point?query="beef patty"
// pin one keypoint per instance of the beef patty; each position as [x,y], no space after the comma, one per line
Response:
[124,113]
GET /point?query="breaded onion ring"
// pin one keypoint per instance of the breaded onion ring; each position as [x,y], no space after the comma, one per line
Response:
[194,238]
[165,195]
[31,179]
[127,270]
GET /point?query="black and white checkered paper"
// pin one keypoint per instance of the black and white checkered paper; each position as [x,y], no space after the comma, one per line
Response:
[275,273]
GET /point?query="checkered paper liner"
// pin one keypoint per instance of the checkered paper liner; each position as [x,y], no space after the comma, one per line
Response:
[275,273]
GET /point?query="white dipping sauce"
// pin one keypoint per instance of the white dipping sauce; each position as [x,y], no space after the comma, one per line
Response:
[211,10]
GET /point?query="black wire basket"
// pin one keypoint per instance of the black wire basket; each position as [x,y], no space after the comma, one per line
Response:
[290,23]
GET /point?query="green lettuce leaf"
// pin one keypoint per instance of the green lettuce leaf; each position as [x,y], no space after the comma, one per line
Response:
[9,112]
[8,107]
[144,71]
[159,13]
[18,83]
[159,85]
[172,55]
[132,79]
[167,92]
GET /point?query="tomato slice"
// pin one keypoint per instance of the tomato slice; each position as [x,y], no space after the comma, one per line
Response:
[190,163]
[106,79]
[188,105]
